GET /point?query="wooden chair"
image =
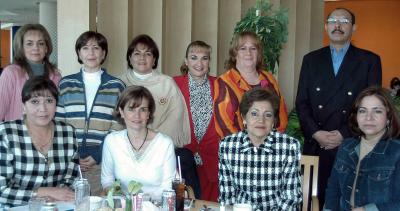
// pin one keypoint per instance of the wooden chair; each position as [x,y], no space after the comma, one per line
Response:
[309,166]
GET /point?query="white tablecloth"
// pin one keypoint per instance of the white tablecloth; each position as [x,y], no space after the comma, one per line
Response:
[62,206]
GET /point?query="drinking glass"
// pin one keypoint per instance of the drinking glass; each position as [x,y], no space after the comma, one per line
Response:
[178,185]
[82,194]
[35,203]
[242,207]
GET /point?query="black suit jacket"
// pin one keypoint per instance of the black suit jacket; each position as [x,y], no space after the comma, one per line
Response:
[324,100]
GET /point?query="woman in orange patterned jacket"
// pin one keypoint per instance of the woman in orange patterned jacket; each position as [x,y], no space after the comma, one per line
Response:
[245,71]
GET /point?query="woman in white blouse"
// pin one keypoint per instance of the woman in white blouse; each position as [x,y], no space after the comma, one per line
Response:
[138,153]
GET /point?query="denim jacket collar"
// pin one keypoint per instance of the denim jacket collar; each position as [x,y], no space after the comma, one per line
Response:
[354,149]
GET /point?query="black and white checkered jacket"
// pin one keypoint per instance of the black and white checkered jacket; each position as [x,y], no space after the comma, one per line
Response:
[23,168]
[268,176]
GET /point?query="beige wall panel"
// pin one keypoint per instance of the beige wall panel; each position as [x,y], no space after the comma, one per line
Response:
[246,4]
[304,35]
[147,18]
[115,29]
[175,23]
[303,41]
[286,72]
[229,12]
[48,18]
[317,24]
[73,18]
[176,33]
[205,28]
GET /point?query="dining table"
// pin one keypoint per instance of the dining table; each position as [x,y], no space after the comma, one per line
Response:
[205,205]
[198,205]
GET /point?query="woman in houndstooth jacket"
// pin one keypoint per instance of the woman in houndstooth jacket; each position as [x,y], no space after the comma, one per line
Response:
[258,165]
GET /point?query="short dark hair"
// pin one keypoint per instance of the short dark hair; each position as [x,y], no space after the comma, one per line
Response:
[37,85]
[84,38]
[393,128]
[353,17]
[135,94]
[258,94]
[198,44]
[394,82]
[145,40]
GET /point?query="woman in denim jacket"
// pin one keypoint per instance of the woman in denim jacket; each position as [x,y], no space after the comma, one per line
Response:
[366,173]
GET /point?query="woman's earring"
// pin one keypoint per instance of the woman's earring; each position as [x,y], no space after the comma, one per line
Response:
[274,128]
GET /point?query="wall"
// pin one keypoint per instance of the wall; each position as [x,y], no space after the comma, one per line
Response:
[175,23]
[5,47]
[73,18]
[377,30]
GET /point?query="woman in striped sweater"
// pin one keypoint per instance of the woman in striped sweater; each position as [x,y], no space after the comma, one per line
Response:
[87,100]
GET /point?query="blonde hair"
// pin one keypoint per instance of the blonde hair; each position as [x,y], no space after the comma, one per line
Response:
[198,44]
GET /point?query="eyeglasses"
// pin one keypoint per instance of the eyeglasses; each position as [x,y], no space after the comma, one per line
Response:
[340,21]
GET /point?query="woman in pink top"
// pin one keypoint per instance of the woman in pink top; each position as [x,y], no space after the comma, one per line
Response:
[32,48]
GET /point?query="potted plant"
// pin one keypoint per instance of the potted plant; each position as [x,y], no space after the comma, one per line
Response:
[116,190]
[293,128]
[271,27]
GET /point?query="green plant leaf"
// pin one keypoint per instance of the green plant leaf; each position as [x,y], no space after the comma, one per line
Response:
[272,28]
[114,190]
[110,198]
[293,128]
[134,187]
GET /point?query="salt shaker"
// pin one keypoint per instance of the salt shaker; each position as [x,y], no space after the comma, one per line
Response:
[82,194]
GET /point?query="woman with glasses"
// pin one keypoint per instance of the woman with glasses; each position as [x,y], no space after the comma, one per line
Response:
[366,173]
[257,165]
[31,49]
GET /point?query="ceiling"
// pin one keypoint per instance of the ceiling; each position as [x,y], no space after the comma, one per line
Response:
[20,11]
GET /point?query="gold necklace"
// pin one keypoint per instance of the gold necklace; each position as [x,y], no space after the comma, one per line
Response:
[43,149]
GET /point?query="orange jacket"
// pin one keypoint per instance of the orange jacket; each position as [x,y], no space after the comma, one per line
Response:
[229,89]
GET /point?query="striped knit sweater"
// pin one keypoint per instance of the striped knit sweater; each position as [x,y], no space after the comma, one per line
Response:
[71,108]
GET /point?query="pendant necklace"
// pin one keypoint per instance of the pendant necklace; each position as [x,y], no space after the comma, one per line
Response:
[43,148]
[144,140]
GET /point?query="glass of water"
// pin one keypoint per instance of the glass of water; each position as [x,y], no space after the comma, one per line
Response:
[35,203]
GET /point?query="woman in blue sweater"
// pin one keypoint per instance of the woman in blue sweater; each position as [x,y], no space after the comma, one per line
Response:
[87,100]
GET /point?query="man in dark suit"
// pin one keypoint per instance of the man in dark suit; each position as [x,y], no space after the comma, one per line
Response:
[330,80]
